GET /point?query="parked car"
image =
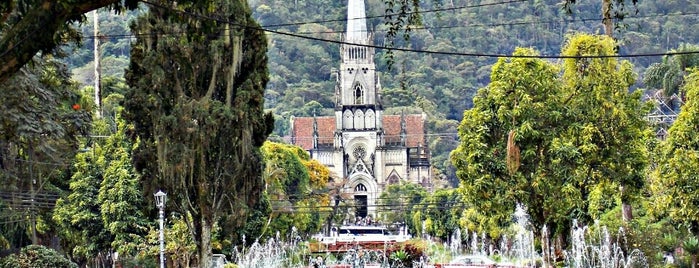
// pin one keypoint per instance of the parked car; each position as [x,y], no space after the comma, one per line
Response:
[218,261]
[469,261]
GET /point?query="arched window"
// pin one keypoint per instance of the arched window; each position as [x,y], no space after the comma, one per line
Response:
[358,94]
[358,119]
[370,119]
[360,188]
[393,178]
[348,120]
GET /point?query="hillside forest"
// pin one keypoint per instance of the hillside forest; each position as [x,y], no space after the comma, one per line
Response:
[524,109]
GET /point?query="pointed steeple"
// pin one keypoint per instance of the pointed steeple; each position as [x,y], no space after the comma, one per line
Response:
[356,21]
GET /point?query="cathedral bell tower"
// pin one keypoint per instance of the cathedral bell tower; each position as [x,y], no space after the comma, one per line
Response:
[358,110]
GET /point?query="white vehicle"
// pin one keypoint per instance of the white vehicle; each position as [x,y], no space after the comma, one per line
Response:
[474,261]
[218,261]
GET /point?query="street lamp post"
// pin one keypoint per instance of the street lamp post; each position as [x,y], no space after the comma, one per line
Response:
[160,204]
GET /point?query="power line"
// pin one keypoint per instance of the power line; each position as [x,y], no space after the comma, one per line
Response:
[504,24]
[298,35]
[464,54]
[395,14]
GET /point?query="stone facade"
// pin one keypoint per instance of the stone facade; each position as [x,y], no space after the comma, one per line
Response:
[359,143]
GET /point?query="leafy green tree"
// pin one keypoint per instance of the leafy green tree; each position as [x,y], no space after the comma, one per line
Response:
[506,138]
[42,116]
[533,133]
[608,141]
[287,183]
[120,196]
[674,179]
[397,204]
[441,212]
[668,75]
[196,103]
[78,214]
[102,212]
[296,187]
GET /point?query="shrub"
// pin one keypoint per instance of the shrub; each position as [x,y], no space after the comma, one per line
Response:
[36,256]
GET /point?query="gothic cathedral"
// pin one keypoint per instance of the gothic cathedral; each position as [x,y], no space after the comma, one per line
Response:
[360,144]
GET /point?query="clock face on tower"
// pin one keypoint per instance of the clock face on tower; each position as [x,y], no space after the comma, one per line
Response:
[359,152]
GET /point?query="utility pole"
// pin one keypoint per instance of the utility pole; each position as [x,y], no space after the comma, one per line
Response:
[98,76]
[32,208]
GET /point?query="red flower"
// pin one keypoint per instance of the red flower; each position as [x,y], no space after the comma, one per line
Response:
[76,106]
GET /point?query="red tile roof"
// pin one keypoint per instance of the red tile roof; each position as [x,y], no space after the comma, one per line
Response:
[414,125]
[391,128]
[326,130]
[302,130]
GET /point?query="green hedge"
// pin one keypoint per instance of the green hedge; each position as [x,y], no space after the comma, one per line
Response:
[36,257]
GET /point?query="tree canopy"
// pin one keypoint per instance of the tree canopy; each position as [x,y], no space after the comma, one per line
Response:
[674,179]
[195,100]
[45,23]
[533,139]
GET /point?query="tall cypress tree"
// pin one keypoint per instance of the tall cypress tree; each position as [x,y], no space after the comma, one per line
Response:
[197,75]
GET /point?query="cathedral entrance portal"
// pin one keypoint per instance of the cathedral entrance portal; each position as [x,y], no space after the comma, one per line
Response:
[361,204]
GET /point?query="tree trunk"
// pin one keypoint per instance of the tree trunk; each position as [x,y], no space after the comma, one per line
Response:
[626,212]
[205,246]
[607,17]
[332,215]
[626,209]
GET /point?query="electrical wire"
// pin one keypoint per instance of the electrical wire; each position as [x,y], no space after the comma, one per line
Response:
[300,34]
[505,24]
[395,14]
[465,54]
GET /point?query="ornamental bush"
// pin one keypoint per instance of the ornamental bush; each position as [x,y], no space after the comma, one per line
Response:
[36,257]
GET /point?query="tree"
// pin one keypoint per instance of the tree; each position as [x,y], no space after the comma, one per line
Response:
[674,180]
[78,214]
[668,75]
[506,138]
[611,9]
[441,211]
[296,187]
[196,101]
[288,185]
[532,133]
[102,212]
[42,116]
[120,196]
[609,141]
[397,203]
[45,23]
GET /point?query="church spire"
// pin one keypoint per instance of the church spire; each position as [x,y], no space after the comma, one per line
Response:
[356,22]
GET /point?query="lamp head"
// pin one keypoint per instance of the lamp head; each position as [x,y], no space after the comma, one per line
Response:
[160,199]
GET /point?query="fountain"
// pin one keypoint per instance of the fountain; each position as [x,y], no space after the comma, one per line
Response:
[274,252]
[589,247]
[455,241]
[522,250]
[596,248]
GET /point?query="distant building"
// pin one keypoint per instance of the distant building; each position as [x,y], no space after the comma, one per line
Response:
[371,150]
